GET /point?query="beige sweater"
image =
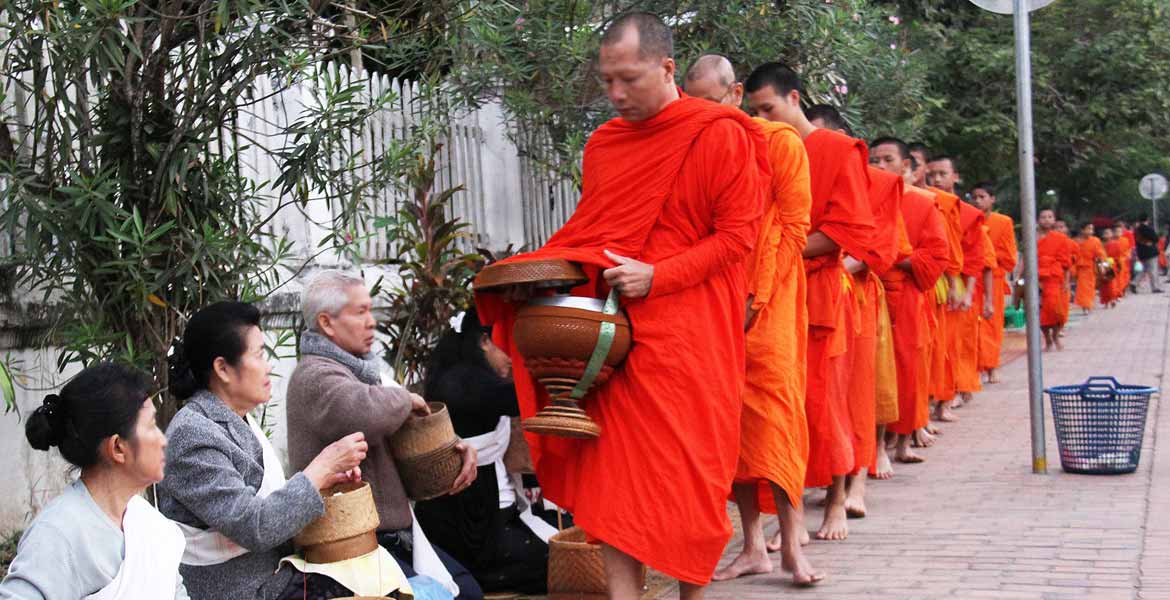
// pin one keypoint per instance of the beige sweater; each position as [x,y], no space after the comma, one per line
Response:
[326,402]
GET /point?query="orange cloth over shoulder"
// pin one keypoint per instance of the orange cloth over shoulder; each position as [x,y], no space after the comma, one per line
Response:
[841,211]
[1090,250]
[773,444]
[944,355]
[1053,259]
[684,191]
[1074,251]
[910,294]
[1002,231]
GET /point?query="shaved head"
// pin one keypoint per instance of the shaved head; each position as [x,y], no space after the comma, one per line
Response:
[712,77]
[655,40]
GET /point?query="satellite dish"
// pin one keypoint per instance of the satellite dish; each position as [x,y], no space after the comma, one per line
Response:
[1005,7]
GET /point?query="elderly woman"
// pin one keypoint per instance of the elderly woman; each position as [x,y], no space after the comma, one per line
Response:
[99,539]
[225,485]
[337,387]
[488,526]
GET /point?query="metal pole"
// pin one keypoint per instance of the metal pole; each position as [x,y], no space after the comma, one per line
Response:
[1028,224]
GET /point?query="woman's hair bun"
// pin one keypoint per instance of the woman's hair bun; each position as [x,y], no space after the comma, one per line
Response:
[181,379]
[46,426]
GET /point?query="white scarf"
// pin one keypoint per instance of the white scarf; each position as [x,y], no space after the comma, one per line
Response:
[491,447]
[209,547]
[150,567]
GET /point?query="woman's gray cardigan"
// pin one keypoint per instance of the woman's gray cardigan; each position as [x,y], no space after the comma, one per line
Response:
[214,467]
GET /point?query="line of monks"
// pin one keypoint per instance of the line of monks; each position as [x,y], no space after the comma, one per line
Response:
[799,300]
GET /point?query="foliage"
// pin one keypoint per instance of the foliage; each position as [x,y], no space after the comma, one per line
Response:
[128,189]
[538,57]
[435,271]
[8,550]
[1100,97]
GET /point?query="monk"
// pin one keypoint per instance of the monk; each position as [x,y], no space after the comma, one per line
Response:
[1053,259]
[943,176]
[1108,291]
[842,226]
[1002,231]
[672,196]
[910,292]
[1090,252]
[1125,239]
[885,195]
[773,444]
[978,263]
[1074,252]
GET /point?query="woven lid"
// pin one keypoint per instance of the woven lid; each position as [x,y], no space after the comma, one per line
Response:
[421,435]
[551,273]
[349,511]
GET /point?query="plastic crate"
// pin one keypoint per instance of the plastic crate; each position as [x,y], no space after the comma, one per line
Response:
[1100,425]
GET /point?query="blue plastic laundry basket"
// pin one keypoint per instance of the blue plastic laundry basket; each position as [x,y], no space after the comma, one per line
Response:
[1100,425]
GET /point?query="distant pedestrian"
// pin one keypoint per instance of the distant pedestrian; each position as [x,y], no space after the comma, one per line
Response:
[1147,254]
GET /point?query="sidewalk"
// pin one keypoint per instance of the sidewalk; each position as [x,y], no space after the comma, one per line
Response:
[974,522]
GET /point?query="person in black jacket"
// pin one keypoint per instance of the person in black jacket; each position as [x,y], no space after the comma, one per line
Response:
[488,527]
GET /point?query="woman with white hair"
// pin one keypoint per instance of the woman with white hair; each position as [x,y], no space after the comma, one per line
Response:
[337,387]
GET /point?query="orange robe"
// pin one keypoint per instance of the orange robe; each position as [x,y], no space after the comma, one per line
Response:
[1109,291]
[964,334]
[1002,231]
[1089,251]
[886,357]
[683,190]
[885,195]
[773,444]
[942,372]
[1053,259]
[1074,251]
[911,295]
[1125,266]
[841,211]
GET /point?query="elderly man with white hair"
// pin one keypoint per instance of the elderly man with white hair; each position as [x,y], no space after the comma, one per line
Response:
[337,386]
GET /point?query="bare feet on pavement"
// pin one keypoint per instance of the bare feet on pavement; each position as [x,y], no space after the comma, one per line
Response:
[747,563]
[884,470]
[834,527]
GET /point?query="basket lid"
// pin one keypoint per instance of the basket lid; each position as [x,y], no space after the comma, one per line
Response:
[546,273]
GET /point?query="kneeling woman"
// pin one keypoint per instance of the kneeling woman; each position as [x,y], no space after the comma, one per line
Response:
[488,527]
[99,539]
[225,485]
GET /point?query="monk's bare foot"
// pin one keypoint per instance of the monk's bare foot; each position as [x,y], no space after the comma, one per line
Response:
[803,573]
[834,527]
[945,415]
[907,456]
[747,563]
[992,376]
[922,439]
[855,508]
[776,543]
[932,429]
[958,402]
[1059,346]
[963,399]
[884,470]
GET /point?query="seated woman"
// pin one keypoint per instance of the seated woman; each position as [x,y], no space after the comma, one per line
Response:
[488,527]
[99,538]
[225,485]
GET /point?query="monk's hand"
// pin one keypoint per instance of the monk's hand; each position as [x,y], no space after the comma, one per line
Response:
[418,405]
[966,301]
[750,314]
[988,309]
[470,469]
[631,278]
[852,265]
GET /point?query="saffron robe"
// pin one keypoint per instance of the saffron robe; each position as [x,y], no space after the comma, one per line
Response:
[1125,265]
[886,367]
[942,376]
[1090,250]
[965,340]
[885,195]
[841,211]
[1109,292]
[773,445]
[1053,260]
[911,297]
[683,190]
[1074,251]
[1002,231]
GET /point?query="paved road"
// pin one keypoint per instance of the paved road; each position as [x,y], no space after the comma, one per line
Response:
[974,522]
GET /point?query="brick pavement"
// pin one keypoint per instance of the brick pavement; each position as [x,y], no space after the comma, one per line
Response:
[974,522]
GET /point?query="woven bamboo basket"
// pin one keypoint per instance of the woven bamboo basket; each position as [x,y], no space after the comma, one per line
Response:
[575,568]
[425,453]
[346,530]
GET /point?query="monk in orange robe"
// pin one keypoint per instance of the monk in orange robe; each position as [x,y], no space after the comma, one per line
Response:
[885,196]
[1002,231]
[673,193]
[1073,252]
[976,280]
[841,238]
[942,173]
[1090,251]
[1108,290]
[773,442]
[910,293]
[1053,260]
[1125,265]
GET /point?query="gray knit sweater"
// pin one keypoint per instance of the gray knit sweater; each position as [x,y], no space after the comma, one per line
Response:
[214,467]
[326,401]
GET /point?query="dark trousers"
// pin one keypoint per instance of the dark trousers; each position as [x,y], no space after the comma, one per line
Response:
[403,552]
